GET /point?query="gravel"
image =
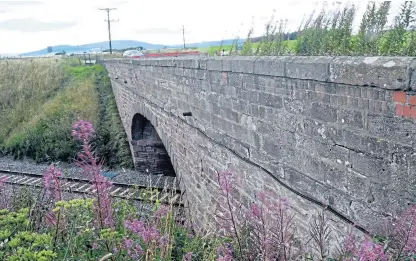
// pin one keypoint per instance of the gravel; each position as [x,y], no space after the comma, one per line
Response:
[118,175]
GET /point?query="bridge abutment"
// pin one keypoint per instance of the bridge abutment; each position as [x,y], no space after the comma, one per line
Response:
[322,131]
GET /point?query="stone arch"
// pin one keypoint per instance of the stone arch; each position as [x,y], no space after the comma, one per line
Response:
[149,152]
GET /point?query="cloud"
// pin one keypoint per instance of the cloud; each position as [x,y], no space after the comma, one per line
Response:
[7,6]
[160,31]
[31,25]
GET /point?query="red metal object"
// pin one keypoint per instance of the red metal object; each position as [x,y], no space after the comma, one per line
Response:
[171,54]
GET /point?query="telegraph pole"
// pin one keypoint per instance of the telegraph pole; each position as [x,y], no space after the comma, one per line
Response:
[183,36]
[109,25]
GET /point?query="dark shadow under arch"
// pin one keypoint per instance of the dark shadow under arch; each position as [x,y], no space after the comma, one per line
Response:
[149,153]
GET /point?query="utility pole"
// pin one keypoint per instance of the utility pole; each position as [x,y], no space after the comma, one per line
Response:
[109,25]
[183,36]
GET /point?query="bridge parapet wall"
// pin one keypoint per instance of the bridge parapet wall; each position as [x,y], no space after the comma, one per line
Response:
[327,131]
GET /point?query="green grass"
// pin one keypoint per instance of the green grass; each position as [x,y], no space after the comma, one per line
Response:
[42,100]
[215,50]
[289,44]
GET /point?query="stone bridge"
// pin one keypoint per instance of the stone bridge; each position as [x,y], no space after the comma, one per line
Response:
[322,131]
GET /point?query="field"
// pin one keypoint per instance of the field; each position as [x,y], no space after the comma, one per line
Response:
[42,98]
[255,47]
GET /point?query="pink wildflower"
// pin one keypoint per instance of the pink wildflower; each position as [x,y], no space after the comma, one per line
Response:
[255,210]
[272,227]
[92,167]
[164,240]
[83,130]
[3,181]
[50,218]
[405,231]
[132,248]
[225,180]
[370,251]
[128,243]
[149,234]
[162,211]
[350,249]
[51,183]
[135,226]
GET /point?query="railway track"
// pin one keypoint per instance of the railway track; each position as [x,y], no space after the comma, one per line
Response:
[84,186]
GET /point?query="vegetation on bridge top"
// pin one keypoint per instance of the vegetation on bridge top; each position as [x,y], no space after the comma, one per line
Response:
[330,31]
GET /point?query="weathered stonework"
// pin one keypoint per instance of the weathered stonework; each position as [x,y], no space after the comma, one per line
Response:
[321,131]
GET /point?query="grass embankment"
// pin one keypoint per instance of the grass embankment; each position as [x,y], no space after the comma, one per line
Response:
[41,100]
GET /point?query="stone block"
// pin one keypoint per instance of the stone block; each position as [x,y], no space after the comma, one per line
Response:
[300,182]
[384,72]
[235,79]
[412,71]
[310,68]
[391,128]
[271,65]
[351,118]
[270,100]
[243,64]
[368,166]
[320,131]
[294,106]
[191,63]
[203,63]
[273,149]
[257,111]
[367,144]
[323,112]
[242,106]
[214,64]
[226,63]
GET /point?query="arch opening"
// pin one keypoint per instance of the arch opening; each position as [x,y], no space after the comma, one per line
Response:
[149,153]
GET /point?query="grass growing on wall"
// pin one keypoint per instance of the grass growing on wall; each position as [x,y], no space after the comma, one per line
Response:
[41,101]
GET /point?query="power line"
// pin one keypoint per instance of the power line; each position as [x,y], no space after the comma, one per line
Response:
[109,24]
[183,36]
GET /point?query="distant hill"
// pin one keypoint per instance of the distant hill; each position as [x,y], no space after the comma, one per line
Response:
[124,44]
[210,43]
[118,44]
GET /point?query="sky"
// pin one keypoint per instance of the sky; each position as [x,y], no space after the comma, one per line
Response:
[34,24]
